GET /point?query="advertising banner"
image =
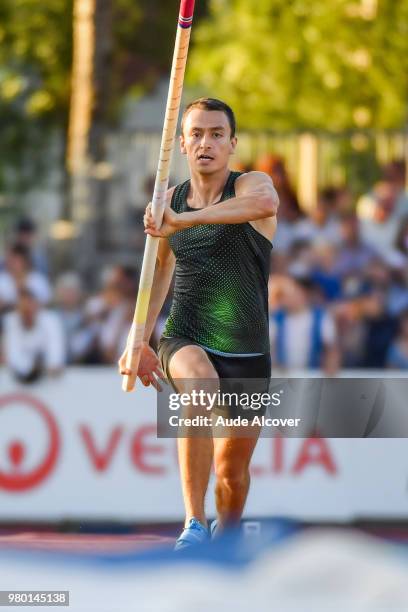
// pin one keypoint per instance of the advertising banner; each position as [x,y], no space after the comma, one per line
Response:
[78,448]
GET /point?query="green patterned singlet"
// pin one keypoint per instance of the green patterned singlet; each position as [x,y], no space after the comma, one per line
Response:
[220,295]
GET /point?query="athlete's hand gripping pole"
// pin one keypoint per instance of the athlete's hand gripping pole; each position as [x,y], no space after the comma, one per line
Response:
[160,189]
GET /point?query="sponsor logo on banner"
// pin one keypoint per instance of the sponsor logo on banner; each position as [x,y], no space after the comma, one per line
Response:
[17,478]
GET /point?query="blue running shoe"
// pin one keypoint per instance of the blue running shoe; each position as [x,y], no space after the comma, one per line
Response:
[194,534]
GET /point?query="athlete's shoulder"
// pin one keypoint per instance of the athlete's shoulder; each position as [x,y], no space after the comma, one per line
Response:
[256,185]
[253,179]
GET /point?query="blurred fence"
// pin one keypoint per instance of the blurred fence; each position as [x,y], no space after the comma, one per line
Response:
[120,186]
[314,161]
[339,156]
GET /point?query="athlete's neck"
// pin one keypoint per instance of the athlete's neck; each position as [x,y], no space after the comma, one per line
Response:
[206,189]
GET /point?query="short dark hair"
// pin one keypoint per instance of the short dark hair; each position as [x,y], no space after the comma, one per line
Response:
[212,104]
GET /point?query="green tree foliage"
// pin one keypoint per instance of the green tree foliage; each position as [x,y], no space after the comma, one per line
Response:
[36,50]
[35,55]
[35,69]
[315,64]
[144,33]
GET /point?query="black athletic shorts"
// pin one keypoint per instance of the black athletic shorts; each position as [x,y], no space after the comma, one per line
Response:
[257,368]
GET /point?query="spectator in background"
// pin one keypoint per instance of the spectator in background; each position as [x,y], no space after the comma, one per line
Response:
[402,237]
[80,334]
[33,341]
[25,234]
[115,327]
[344,201]
[290,213]
[393,174]
[322,223]
[303,336]
[367,318]
[115,331]
[351,328]
[68,299]
[379,317]
[351,315]
[315,261]
[381,230]
[353,254]
[323,275]
[397,291]
[98,311]
[100,304]
[18,274]
[397,355]
[108,312]
[301,258]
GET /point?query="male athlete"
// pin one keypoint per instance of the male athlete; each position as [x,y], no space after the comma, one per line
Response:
[216,232]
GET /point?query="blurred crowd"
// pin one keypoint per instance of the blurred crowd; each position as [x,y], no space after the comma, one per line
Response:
[45,326]
[339,285]
[338,291]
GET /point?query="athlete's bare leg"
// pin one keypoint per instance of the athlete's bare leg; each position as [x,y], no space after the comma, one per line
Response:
[187,366]
[232,456]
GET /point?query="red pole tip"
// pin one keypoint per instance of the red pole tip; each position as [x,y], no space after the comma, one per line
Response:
[186,12]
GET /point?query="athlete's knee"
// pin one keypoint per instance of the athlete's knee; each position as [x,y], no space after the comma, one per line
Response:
[232,476]
[199,387]
[200,371]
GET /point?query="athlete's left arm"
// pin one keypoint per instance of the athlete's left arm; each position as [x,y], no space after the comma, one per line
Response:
[256,201]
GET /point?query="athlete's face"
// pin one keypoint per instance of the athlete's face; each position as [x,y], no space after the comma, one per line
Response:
[207,141]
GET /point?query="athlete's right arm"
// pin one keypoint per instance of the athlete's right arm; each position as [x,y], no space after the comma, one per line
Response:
[161,282]
[149,363]
[163,274]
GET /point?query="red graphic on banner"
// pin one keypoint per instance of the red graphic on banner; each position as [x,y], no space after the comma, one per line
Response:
[311,453]
[101,459]
[141,449]
[314,451]
[17,480]
[143,446]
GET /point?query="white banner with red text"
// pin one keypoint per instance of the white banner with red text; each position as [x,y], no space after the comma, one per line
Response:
[78,448]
